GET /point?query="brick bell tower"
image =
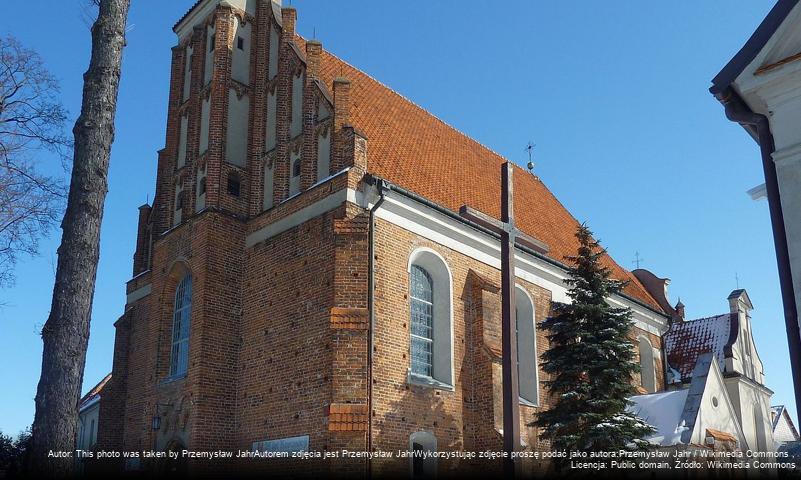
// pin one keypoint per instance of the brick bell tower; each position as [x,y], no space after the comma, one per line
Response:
[252,134]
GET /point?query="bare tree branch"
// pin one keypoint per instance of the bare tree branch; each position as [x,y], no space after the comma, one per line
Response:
[31,121]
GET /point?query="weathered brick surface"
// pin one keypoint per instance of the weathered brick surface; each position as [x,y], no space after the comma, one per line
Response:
[280,330]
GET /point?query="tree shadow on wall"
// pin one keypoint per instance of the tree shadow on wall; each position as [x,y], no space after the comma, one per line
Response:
[414,409]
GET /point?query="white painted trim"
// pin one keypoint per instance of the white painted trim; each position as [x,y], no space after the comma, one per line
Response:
[140,274]
[787,154]
[138,294]
[435,226]
[304,214]
[91,403]
[413,257]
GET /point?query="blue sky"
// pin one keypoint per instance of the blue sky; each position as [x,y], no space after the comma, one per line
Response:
[613,93]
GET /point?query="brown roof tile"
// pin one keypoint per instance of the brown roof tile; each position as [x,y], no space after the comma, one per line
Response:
[721,436]
[687,340]
[414,149]
[94,392]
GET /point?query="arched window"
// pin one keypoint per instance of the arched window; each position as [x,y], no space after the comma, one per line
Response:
[421,443]
[179,353]
[647,373]
[430,322]
[526,347]
[422,322]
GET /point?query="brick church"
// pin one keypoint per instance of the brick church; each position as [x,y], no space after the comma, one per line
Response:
[306,278]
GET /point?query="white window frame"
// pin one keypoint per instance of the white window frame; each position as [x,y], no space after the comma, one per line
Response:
[426,302]
[442,284]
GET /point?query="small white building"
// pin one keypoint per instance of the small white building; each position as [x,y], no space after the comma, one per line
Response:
[699,415]
[760,88]
[716,395]
[89,419]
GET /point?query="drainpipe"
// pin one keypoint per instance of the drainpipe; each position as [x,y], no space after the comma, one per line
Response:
[379,185]
[738,111]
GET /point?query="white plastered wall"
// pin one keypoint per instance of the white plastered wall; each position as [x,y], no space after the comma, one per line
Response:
[237,132]
[208,67]
[240,61]
[267,201]
[746,397]
[205,114]
[270,136]
[296,125]
[272,61]
[294,180]
[323,154]
[187,72]
[717,410]
[777,95]
[182,142]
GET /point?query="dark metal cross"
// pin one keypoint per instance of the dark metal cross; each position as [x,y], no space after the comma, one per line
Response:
[637,259]
[510,238]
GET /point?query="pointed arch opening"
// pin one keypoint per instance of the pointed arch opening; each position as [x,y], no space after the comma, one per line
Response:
[527,376]
[647,369]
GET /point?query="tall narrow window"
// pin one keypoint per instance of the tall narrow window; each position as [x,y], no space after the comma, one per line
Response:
[179,358]
[430,320]
[422,322]
[647,373]
[526,347]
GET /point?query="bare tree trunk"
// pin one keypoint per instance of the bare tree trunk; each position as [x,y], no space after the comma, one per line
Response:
[66,333]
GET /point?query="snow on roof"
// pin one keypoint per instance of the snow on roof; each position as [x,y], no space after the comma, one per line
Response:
[783,431]
[663,411]
[686,340]
[93,396]
[777,413]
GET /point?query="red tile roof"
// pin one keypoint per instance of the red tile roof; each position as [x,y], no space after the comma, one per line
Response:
[687,340]
[94,392]
[721,436]
[414,149]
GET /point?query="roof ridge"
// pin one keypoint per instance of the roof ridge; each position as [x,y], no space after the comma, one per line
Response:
[482,152]
[412,102]
[705,318]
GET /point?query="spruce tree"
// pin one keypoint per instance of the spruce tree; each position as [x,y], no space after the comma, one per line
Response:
[590,362]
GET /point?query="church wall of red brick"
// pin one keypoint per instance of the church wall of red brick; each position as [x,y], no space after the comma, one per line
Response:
[280,326]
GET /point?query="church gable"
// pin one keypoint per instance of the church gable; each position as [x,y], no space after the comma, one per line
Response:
[783,428]
[686,341]
[774,44]
[709,410]
[729,337]
[701,414]
[783,47]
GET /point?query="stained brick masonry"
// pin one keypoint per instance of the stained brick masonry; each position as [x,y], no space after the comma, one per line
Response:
[280,326]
